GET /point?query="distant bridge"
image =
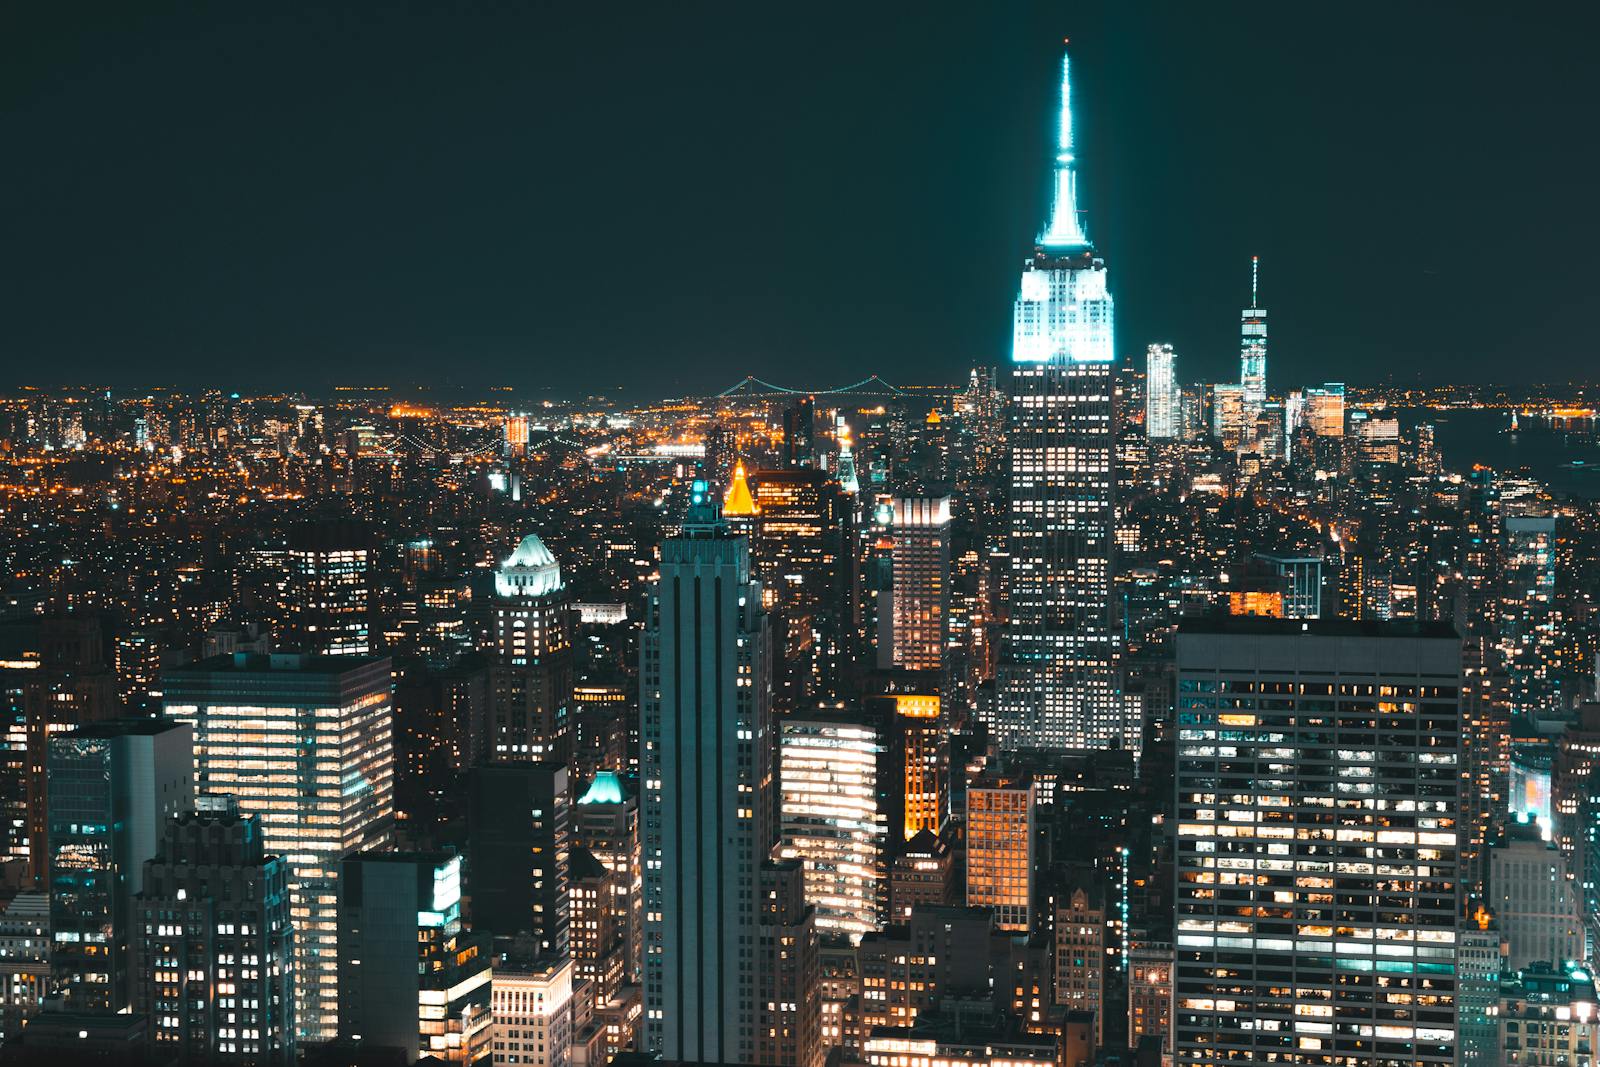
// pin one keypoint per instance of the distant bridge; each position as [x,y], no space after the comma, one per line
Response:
[751,386]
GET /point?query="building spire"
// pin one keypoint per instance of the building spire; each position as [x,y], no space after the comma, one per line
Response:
[1065,229]
[1255,269]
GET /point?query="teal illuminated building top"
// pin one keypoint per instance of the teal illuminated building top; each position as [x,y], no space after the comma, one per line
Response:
[1063,312]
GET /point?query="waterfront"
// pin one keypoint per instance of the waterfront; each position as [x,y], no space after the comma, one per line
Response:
[1568,461]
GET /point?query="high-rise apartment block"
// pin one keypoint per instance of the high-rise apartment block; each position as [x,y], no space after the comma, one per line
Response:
[921,583]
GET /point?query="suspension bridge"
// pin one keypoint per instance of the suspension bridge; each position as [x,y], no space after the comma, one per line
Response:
[751,386]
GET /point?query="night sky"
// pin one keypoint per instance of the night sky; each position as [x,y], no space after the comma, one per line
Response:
[668,197]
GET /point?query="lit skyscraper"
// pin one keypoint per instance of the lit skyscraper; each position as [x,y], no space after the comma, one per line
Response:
[328,594]
[836,776]
[707,766]
[1253,345]
[1163,400]
[304,742]
[1317,842]
[1060,659]
[530,676]
[113,785]
[921,565]
[1324,410]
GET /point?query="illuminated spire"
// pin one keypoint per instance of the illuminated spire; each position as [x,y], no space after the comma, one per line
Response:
[1065,230]
[738,502]
[1255,270]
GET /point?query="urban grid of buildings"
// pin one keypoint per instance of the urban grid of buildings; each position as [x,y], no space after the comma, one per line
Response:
[1072,714]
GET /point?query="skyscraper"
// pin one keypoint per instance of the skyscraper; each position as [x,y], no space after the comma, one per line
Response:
[921,577]
[113,785]
[837,776]
[531,674]
[212,944]
[1253,347]
[707,766]
[802,553]
[1163,399]
[518,848]
[305,743]
[1060,659]
[411,976]
[1000,852]
[329,589]
[1318,804]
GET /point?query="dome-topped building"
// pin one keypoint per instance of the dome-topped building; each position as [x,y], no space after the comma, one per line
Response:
[531,570]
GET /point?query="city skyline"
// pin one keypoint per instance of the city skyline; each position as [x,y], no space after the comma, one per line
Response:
[392,212]
[1094,705]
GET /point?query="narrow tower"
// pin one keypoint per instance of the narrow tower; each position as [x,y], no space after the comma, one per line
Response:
[1061,655]
[1253,344]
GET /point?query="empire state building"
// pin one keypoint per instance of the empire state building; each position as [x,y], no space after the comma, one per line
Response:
[1059,684]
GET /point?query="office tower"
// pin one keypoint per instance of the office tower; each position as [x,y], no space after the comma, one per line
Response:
[411,976]
[1377,440]
[211,943]
[1163,406]
[1270,432]
[532,1005]
[599,932]
[138,665]
[799,431]
[66,684]
[1324,409]
[603,716]
[1548,1017]
[24,960]
[1317,805]
[1529,627]
[923,875]
[1575,798]
[328,594]
[1302,583]
[839,787]
[801,552]
[1253,345]
[917,736]
[1080,953]
[113,784]
[304,742]
[849,480]
[518,851]
[738,504]
[516,428]
[1060,660]
[921,583]
[1232,422]
[1149,991]
[1000,838]
[606,823]
[707,763]
[1534,901]
[531,673]
[1480,960]
[789,999]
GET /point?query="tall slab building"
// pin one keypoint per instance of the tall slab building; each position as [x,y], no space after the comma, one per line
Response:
[707,767]
[1060,660]
[1318,848]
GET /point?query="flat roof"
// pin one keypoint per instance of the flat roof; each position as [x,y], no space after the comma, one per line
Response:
[1262,626]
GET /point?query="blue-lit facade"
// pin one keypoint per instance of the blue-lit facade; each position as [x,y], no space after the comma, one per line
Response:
[1059,681]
